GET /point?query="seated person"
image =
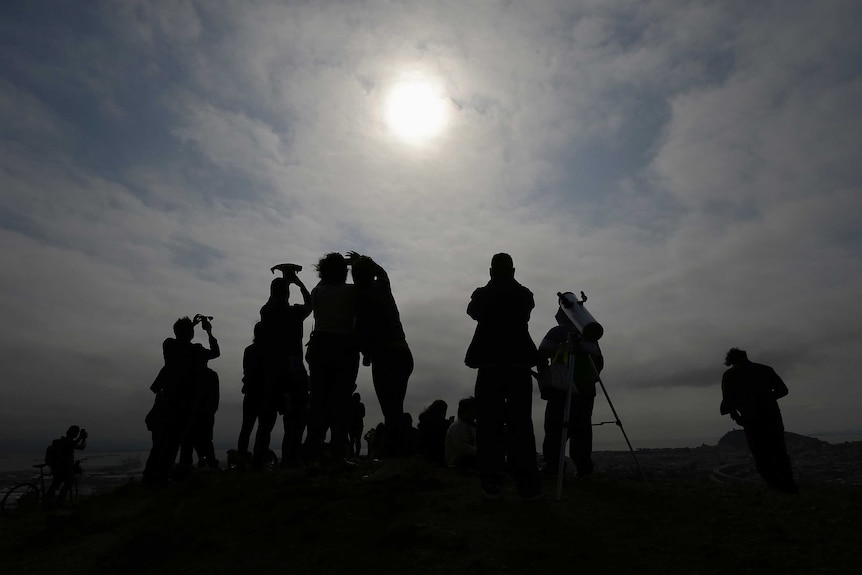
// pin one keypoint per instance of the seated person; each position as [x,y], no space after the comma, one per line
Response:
[461,437]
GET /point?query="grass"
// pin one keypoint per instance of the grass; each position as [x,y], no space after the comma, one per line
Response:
[433,521]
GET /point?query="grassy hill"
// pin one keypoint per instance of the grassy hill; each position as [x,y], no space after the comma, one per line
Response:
[433,521]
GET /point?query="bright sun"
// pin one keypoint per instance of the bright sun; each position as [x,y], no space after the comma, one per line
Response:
[415,110]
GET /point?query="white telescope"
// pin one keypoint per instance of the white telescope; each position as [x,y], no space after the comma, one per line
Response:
[590,329]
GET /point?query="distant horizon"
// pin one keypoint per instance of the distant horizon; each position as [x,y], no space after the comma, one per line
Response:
[609,443]
[692,167]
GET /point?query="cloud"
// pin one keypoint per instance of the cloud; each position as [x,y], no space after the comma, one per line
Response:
[692,168]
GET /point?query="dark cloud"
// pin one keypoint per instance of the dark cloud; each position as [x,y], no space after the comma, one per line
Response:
[692,168]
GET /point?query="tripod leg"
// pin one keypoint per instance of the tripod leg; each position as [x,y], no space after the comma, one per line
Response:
[620,425]
[567,409]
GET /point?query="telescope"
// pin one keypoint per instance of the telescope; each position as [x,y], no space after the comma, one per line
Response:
[590,329]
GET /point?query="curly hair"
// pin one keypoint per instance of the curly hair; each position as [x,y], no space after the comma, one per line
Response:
[332,268]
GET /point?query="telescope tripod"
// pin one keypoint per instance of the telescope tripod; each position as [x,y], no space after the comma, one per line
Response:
[572,344]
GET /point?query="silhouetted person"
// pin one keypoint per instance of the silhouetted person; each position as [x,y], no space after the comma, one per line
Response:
[504,353]
[252,389]
[333,358]
[200,436]
[179,383]
[369,439]
[408,437]
[285,381]
[749,394]
[431,432]
[382,343]
[460,450]
[376,438]
[60,456]
[354,433]
[555,348]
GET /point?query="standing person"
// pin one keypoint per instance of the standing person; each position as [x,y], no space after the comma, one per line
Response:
[503,352]
[284,376]
[179,383]
[554,348]
[333,359]
[357,424]
[252,388]
[749,394]
[60,457]
[200,436]
[383,346]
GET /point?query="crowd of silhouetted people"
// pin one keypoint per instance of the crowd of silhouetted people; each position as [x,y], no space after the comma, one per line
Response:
[312,387]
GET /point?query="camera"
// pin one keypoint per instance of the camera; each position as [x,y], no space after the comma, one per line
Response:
[200,317]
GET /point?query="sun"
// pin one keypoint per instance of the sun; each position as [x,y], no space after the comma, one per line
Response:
[415,110]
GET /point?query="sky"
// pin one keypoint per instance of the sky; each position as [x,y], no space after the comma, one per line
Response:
[693,167]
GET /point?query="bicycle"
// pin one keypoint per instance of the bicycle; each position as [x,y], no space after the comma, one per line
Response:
[29,496]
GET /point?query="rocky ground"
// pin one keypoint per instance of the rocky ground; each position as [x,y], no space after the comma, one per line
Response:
[730,461]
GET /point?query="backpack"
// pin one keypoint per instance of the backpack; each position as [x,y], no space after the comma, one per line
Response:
[52,454]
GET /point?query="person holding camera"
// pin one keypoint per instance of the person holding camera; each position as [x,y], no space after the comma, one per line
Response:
[333,359]
[504,353]
[60,457]
[180,385]
[383,346]
[284,383]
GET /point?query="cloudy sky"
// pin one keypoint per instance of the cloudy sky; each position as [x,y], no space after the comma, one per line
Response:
[694,167]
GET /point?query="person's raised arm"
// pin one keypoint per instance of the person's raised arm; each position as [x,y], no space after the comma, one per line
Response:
[306,295]
[213,351]
[477,306]
[82,440]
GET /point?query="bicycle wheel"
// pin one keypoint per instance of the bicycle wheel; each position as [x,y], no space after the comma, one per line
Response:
[21,499]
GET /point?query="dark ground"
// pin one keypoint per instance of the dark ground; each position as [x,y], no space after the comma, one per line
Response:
[429,520]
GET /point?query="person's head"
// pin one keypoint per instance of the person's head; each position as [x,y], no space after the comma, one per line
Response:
[73,432]
[502,266]
[467,409]
[184,329]
[735,356]
[362,271]
[258,330]
[356,398]
[278,289]
[437,409]
[332,268]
